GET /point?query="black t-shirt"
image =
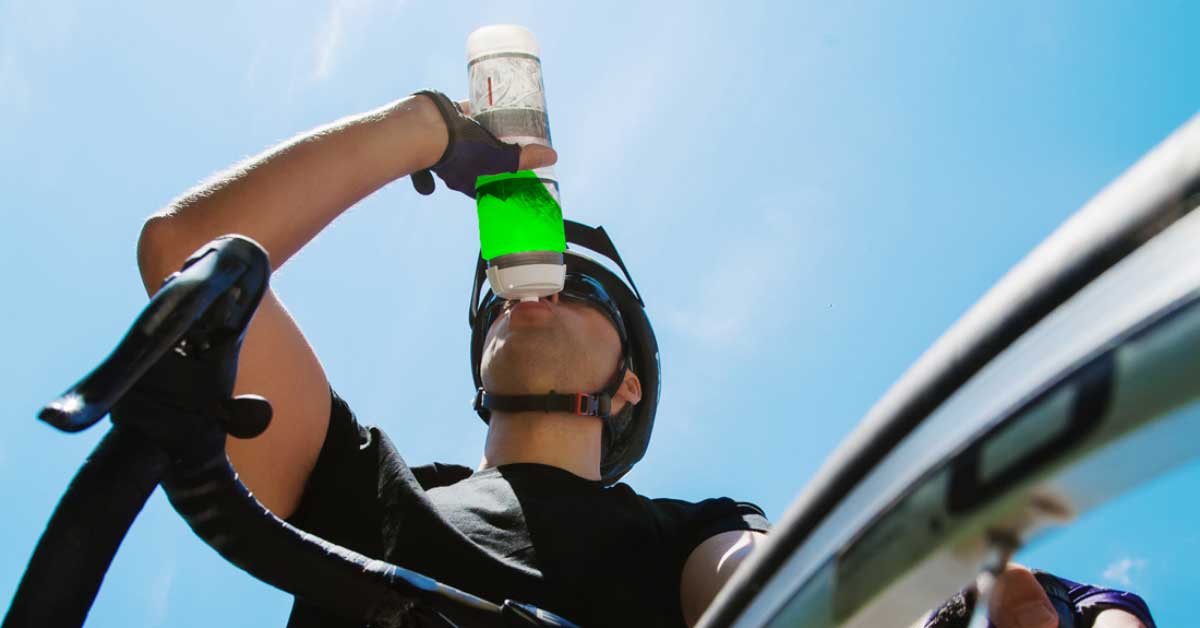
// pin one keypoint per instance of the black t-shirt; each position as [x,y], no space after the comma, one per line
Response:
[596,555]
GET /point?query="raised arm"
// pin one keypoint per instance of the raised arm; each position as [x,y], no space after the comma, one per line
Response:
[282,198]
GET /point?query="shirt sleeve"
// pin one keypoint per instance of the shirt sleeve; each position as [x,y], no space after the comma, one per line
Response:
[686,525]
[438,474]
[340,501]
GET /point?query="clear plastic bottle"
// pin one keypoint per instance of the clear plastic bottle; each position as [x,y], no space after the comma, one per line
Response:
[520,216]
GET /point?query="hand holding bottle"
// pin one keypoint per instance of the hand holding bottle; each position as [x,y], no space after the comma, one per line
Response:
[472,151]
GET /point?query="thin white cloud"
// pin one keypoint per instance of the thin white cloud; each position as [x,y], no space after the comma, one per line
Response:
[14,88]
[31,33]
[250,77]
[743,285]
[731,292]
[330,39]
[1121,572]
[42,26]
[345,20]
[608,129]
[159,594]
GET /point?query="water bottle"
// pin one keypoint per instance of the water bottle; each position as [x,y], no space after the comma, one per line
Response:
[520,218]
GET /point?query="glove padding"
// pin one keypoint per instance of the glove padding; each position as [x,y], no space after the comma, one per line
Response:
[471,151]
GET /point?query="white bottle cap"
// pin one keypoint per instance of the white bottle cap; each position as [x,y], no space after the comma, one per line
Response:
[501,38]
[527,280]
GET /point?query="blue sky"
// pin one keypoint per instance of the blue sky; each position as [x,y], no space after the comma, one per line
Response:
[807,195]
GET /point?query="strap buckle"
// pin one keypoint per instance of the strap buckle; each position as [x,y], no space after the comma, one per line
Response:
[591,405]
[585,405]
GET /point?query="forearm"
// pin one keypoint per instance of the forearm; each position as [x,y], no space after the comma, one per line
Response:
[285,196]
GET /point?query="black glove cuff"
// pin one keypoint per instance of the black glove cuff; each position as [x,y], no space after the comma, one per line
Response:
[450,112]
[471,151]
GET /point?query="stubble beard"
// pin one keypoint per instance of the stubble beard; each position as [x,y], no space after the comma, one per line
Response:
[529,361]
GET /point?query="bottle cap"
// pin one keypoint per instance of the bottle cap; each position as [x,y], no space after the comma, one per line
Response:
[527,280]
[499,38]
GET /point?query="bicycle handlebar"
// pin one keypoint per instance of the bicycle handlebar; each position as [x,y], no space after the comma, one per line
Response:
[88,525]
[170,428]
[221,511]
[232,270]
[114,482]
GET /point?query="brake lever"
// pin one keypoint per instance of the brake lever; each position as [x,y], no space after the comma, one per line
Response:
[213,296]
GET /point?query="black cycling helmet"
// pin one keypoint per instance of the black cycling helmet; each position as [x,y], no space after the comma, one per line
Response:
[627,433]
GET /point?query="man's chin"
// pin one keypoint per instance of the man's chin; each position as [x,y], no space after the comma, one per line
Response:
[527,359]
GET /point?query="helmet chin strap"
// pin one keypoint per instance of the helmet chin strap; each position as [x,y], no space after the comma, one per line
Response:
[598,404]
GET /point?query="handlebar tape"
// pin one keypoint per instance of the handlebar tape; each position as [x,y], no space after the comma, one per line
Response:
[85,531]
[222,511]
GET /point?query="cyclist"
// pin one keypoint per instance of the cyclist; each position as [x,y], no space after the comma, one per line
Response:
[543,518]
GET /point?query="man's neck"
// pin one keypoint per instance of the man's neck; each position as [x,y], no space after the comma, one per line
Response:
[558,439]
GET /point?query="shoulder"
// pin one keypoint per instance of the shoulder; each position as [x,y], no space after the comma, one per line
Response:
[340,498]
[347,438]
[710,516]
[710,538]
[360,480]
[686,524]
[710,565]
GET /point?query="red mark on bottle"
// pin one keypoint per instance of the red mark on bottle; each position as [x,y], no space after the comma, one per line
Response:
[490,91]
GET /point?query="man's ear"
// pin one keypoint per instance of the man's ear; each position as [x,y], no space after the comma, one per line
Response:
[630,390]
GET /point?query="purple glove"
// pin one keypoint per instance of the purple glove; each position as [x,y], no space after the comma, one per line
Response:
[1077,604]
[1088,601]
[470,152]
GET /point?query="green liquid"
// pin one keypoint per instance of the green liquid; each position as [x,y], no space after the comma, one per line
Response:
[517,214]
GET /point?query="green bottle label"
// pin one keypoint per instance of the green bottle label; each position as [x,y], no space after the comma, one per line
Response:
[517,214]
